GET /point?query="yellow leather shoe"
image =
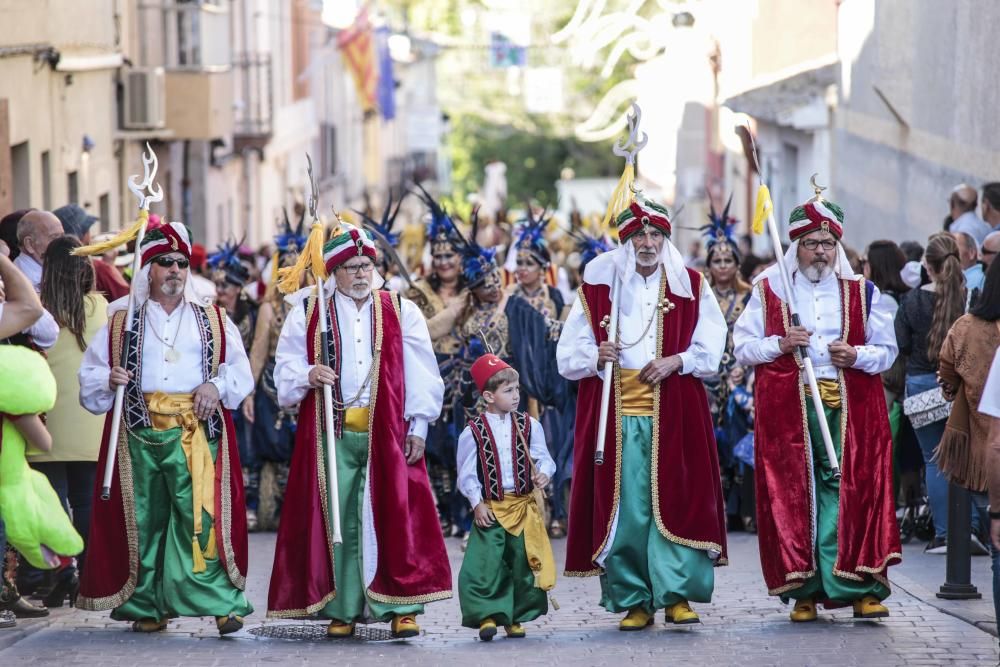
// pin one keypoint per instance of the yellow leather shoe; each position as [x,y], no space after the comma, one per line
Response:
[229,624]
[339,629]
[681,614]
[149,625]
[636,619]
[870,607]
[515,631]
[487,630]
[804,611]
[404,627]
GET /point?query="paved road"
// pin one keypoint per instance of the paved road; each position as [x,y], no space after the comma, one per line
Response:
[741,627]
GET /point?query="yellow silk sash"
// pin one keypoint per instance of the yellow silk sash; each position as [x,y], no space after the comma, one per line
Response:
[519,514]
[169,411]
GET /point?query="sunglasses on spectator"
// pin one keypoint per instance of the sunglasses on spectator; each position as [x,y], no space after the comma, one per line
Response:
[167,262]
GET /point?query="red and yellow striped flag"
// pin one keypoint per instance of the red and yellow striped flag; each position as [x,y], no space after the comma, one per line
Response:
[357,44]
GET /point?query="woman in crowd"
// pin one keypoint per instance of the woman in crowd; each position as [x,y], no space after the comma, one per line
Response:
[963,369]
[922,323]
[68,293]
[723,259]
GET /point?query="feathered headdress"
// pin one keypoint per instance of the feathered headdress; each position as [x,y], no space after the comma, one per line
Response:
[226,265]
[719,232]
[290,240]
[477,262]
[588,247]
[531,237]
[383,230]
[440,229]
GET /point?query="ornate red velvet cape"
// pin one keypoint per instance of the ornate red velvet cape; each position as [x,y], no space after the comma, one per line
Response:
[867,534]
[687,491]
[412,559]
[113,543]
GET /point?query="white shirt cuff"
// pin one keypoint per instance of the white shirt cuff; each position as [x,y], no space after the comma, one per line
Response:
[418,427]
[687,362]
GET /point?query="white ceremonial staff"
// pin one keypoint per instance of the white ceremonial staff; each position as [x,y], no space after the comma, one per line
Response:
[324,336]
[627,148]
[149,166]
[786,283]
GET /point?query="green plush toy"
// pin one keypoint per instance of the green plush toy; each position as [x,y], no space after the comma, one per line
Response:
[36,521]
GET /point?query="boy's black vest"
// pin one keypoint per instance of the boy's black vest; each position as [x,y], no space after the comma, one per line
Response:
[488,461]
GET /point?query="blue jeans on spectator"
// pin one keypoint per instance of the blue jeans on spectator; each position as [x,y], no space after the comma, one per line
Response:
[995,554]
[929,436]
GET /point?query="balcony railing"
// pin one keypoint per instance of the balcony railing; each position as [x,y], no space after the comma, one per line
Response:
[254,103]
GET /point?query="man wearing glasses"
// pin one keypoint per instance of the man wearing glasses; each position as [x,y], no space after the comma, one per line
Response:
[822,540]
[171,540]
[386,389]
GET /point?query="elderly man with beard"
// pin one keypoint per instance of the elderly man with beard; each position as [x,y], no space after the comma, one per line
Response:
[386,389]
[649,520]
[171,540]
[822,539]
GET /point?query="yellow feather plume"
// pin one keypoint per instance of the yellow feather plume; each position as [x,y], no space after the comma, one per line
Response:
[762,209]
[621,198]
[310,259]
[119,240]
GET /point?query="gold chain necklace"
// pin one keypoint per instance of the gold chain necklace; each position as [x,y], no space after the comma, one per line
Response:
[171,356]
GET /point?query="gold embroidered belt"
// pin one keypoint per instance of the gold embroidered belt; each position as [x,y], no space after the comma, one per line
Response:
[637,397]
[167,411]
[829,393]
[356,419]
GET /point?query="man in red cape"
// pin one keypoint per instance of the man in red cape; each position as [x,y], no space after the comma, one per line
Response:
[821,539]
[171,540]
[650,519]
[386,388]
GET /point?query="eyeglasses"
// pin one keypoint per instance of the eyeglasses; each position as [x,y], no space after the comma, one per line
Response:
[526,264]
[356,269]
[812,244]
[443,257]
[989,252]
[167,262]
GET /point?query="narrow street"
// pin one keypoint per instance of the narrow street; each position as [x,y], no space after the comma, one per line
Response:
[741,627]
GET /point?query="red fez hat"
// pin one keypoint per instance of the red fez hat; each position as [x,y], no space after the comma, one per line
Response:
[486,367]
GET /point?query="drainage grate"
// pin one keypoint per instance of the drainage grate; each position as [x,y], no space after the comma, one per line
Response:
[315,632]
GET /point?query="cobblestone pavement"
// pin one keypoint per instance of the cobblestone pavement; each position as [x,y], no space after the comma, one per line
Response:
[741,627]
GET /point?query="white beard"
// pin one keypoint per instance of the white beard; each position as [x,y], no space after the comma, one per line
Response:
[646,263]
[358,292]
[814,274]
[171,288]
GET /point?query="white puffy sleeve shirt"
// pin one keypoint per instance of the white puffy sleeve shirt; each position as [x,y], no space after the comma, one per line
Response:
[424,389]
[576,353]
[819,306]
[179,329]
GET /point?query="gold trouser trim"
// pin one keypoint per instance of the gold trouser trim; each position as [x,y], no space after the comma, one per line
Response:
[167,411]
[637,397]
[829,393]
[521,514]
[356,419]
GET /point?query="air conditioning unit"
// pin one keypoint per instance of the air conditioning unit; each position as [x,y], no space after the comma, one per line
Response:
[145,106]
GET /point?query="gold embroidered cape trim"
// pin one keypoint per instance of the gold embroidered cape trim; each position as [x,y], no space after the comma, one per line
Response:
[583,573]
[411,599]
[655,447]
[300,613]
[126,484]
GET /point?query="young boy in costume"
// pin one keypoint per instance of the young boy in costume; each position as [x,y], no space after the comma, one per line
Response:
[503,464]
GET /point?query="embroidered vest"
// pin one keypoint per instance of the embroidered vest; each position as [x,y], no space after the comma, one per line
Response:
[334,343]
[488,461]
[211,328]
